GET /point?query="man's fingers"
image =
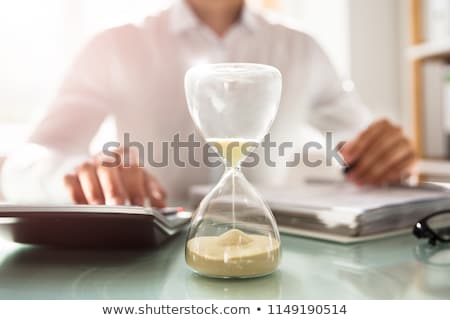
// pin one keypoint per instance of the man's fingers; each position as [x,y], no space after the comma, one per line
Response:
[114,181]
[134,181]
[378,172]
[87,175]
[73,186]
[355,149]
[155,192]
[112,185]
[376,152]
[397,171]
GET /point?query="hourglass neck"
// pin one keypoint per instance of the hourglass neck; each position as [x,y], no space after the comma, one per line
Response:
[236,168]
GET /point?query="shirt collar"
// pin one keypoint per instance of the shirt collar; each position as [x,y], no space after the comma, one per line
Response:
[182,18]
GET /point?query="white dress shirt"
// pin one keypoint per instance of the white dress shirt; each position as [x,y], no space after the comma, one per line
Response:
[135,73]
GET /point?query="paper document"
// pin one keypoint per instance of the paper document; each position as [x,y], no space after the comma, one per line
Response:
[346,209]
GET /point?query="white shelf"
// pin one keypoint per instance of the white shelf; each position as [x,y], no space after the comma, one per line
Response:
[430,50]
[435,168]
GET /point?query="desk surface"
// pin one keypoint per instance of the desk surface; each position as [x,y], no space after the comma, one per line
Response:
[393,268]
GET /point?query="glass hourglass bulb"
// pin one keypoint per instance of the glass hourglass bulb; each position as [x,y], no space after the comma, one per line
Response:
[233,233]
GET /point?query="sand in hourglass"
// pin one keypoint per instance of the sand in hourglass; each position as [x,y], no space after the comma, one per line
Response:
[233,254]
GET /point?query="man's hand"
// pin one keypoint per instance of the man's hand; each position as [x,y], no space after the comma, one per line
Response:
[96,183]
[381,154]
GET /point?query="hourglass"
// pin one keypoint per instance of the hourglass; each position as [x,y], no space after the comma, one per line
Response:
[233,233]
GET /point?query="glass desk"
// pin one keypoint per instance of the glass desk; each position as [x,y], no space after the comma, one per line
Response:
[394,268]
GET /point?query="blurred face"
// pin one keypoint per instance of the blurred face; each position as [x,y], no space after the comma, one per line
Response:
[219,15]
[216,4]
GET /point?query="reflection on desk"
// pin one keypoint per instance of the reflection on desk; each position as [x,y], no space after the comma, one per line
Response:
[384,269]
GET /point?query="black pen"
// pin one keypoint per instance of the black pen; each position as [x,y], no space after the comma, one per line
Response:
[348,168]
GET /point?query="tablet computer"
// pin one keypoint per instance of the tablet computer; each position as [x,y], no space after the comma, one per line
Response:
[98,226]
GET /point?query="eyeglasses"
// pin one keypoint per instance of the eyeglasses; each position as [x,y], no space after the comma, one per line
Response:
[435,227]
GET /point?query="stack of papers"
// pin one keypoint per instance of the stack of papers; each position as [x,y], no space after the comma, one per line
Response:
[346,213]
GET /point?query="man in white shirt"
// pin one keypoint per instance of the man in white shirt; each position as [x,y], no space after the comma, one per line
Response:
[135,74]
